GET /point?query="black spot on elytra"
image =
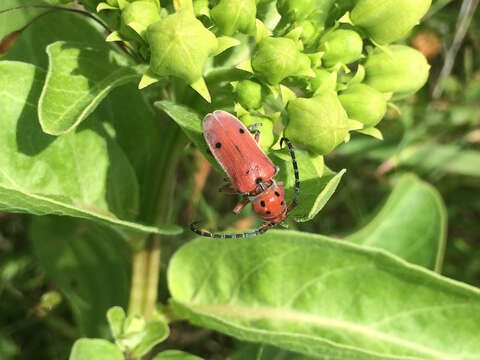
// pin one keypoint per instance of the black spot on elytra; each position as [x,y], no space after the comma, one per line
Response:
[247,172]
[262,203]
[282,203]
[241,131]
[259,180]
[276,193]
[268,212]
[218,145]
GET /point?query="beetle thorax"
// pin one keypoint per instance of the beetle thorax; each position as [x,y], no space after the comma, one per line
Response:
[270,204]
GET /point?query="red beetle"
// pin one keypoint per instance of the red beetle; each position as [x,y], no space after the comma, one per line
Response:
[250,171]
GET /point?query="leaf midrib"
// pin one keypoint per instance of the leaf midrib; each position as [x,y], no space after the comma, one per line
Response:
[259,313]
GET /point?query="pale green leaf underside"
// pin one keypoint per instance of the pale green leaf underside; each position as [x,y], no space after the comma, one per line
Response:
[324,298]
[82,174]
[412,224]
[175,355]
[79,77]
[95,349]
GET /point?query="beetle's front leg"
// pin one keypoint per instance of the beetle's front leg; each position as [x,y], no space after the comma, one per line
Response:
[239,207]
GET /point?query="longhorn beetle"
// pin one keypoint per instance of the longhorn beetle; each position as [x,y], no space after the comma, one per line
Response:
[250,171]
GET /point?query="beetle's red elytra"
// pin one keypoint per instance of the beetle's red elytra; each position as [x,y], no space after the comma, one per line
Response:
[250,171]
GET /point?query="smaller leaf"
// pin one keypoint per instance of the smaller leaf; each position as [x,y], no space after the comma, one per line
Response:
[372,131]
[224,43]
[316,186]
[191,124]
[116,320]
[95,349]
[79,77]
[201,87]
[175,355]
[154,333]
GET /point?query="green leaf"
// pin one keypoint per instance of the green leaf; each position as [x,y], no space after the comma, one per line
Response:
[116,318]
[54,26]
[263,352]
[79,77]
[316,185]
[191,124]
[95,349]
[88,262]
[412,224]
[175,355]
[82,174]
[154,333]
[324,298]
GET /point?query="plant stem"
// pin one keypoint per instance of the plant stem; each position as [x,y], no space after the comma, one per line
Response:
[139,271]
[146,262]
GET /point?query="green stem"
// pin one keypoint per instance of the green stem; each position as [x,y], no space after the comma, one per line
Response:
[146,262]
[139,271]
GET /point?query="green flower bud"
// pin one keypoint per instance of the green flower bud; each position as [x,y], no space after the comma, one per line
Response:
[278,58]
[302,9]
[249,94]
[140,14]
[318,123]
[340,46]
[295,9]
[180,46]
[401,70]
[363,103]
[267,138]
[235,15]
[389,20]
[308,32]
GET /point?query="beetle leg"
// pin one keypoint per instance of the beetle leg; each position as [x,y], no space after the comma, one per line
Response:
[295,170]
[253,126]
[227,188]
[239,207]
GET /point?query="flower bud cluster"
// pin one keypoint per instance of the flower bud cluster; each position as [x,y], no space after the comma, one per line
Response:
[323,68]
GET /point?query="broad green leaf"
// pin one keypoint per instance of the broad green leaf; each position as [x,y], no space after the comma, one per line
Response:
[263,352]
[95,349]
[90,265]
[154,333]
[81,174]
[412,224]
[54,26]
[79,77]
[175,355]
[324,298]
[316,185]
